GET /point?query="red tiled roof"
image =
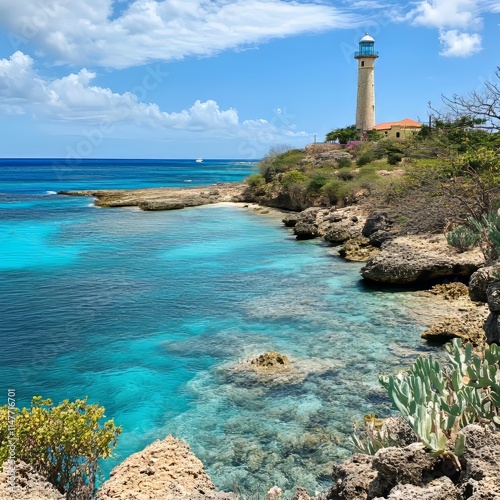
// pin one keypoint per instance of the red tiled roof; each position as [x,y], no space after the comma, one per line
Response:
[407,122]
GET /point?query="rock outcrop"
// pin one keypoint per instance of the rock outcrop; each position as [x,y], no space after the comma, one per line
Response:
[342,226]
[153,199]
[270,362]
[412,473]
[164,470]
[358,250]
[468,326]
[492,325]
[481,280]
[29,484]
[420,258]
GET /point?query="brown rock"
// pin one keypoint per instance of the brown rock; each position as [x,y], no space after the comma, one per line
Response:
[493,296]
[358,250]
[165,198]
[450,291]
[300,494]
[480,280]
[441,488]
[410,259]
[29,484]
[353,479]
[468,328]
[403,465]
[270,362]
[164,470]
[480,478]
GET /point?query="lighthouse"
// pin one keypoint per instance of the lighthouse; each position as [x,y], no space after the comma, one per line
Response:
[365,103]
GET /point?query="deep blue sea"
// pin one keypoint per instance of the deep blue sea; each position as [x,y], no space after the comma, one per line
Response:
[148,313]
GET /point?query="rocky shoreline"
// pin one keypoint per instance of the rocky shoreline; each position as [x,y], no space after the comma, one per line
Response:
[155,199]
[168,470]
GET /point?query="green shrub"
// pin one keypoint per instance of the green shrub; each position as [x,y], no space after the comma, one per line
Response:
[437,401]
[316,181]
[336,190]
[393,158]
[344,162]
[488,230]
[64,442]
[462,238]
[345,174]
[365,158]
[255,180]
[293,177]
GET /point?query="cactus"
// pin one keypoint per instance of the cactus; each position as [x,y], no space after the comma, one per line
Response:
[437,401]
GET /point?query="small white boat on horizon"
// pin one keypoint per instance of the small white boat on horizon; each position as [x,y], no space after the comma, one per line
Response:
[199,160]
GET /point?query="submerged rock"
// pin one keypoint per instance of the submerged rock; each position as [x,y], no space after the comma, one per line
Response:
[270,362]
[164,470]
[411,259]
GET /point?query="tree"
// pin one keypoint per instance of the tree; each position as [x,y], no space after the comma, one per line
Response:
[484,104]
[64,442]
[344,135]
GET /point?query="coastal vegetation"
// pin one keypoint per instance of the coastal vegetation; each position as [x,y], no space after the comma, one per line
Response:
[64,442]
[438,400]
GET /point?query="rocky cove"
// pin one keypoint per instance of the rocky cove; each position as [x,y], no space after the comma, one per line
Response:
[392,257]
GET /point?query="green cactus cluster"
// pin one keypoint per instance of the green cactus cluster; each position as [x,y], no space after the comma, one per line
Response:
[437,401]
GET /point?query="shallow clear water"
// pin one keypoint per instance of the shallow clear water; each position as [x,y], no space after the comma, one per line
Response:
[148,313]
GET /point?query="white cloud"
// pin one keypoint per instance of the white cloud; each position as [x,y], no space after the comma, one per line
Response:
[457,44]
[463,14]
[73,98]
[457,21]
[87,32]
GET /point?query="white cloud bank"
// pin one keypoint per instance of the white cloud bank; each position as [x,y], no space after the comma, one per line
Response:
[74,99]
[455,44]
[458,22]
[90,32]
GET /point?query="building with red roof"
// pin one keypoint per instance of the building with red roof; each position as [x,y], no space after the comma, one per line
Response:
[402,129]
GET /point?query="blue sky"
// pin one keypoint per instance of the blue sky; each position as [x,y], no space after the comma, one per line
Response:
[224,78]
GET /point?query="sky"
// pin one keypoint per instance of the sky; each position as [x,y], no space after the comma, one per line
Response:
[224,78]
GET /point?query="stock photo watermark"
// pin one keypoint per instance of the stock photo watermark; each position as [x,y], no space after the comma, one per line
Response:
[11,438]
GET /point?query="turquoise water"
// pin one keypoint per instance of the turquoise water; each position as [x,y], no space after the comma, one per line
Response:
[149,312]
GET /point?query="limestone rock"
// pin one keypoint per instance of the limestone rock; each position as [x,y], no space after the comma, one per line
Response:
[468,327]
[290,220]
[410,259]
[154,199]
[402,465]
[450,291]
[441,488]
[493,296]
[29,484]
[270,362]
[379,237]
[305,231]
[164,470]
[300,494]
[480,280]
[492,329]
[337,234]
[358,250]
[375,222]
[480,478]
[411,473]
[353,479]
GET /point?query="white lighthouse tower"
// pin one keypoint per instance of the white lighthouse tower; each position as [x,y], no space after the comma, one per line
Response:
[365,103]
